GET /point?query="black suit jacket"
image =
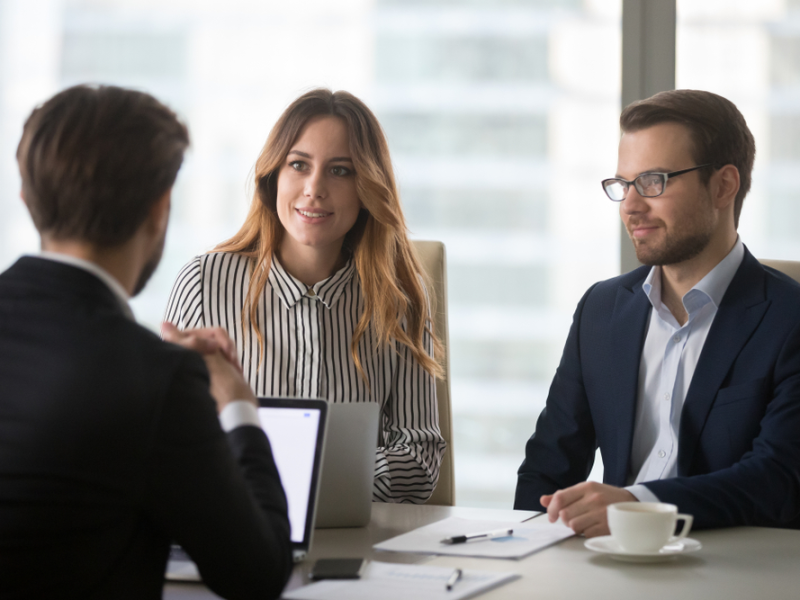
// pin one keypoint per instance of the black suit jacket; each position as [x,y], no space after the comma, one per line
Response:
[110,447]
[739,437]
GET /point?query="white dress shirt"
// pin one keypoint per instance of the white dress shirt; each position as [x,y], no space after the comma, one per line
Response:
[307,337]
[666,367]
[235,414]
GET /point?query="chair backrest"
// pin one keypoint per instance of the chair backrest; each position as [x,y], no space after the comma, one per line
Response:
[788,267]
[432,257]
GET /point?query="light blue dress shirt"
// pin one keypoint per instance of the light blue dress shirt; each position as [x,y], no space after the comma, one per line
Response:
[668,361]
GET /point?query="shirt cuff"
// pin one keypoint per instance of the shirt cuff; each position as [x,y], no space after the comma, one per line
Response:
[642,493]
[238,413]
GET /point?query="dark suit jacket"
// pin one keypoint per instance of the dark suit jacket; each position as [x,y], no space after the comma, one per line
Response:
[110,447]
[739,438]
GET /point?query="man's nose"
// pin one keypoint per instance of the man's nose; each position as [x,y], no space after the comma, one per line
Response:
[633,202]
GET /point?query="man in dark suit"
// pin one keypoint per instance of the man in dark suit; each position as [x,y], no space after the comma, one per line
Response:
[685,372]
[110,442]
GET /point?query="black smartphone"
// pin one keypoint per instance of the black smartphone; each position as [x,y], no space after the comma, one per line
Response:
[337,568]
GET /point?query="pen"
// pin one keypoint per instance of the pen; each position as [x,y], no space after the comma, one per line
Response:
[460,539]
[453,579]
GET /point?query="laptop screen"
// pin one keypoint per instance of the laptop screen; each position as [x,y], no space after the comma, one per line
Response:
[295,430]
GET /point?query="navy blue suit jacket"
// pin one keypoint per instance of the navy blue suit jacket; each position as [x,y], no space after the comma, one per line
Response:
[739,438]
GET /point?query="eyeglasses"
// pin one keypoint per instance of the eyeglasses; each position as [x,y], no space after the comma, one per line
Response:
[649,185]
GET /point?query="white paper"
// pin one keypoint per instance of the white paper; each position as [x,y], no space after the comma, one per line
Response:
[528,537]
[386,581]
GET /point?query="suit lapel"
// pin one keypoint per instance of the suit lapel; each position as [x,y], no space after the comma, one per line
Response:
[628,324]
[738,316]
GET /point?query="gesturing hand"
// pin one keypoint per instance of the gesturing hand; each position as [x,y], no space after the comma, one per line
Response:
[207,340]
[227,383]
[219,353]
[582,507]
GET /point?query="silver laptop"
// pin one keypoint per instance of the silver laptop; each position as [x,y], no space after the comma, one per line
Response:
[345,496]
[296,431]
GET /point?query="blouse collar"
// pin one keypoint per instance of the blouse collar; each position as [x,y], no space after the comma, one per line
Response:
[291,290]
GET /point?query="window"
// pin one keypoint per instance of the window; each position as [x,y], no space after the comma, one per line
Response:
[748,52]
[501,128]
[458,58]
[501,118]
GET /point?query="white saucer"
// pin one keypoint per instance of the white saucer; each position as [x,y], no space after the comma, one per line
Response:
[606,545]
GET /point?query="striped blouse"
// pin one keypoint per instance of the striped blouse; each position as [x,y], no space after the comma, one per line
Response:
[307,339]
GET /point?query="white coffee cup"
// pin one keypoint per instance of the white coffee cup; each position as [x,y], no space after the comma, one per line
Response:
[646,526]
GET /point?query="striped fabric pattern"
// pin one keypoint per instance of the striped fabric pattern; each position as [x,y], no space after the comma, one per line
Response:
[307,338]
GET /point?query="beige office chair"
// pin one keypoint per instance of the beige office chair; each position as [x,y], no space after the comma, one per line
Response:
[789,267]
[432,257]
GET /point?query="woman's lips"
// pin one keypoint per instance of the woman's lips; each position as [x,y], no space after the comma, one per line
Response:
[312,215]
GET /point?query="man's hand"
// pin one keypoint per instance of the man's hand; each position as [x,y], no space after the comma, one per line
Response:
[207,340]
[227,382]
[582,507]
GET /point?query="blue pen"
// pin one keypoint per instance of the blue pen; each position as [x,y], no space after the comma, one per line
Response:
[460,539]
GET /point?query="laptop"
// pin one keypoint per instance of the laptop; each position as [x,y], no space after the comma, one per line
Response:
[296,431]
[345,496]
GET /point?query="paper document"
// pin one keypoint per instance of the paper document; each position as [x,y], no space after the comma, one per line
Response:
[528,537]
[385,581]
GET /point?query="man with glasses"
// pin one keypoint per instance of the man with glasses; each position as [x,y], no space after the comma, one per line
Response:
[686,371]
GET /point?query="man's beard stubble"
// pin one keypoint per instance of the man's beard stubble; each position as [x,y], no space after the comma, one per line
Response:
[688,238]
[674,250]
[149,268]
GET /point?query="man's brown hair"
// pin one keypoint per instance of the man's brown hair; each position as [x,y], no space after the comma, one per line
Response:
[718,131]
[95,159]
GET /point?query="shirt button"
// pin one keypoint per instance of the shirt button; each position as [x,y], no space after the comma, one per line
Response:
[676,339]
[661,454]
[311,292]
[667,396]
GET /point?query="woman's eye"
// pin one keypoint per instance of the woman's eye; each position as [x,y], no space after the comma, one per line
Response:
[340,171]
[297,165]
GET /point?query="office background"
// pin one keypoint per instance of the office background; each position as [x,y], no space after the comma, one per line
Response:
[502,119]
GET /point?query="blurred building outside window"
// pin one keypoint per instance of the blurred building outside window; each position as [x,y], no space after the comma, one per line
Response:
[501,117]
[749,52]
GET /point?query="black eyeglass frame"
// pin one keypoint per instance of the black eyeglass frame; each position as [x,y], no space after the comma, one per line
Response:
[665,176]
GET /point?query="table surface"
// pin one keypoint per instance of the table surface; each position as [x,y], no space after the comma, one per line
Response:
[739,563]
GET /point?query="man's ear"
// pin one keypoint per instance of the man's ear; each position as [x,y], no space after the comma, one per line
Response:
[726,186]
[159,213]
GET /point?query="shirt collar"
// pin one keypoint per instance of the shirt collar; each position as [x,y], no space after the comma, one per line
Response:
[291,290]
[115,286]
[710,288]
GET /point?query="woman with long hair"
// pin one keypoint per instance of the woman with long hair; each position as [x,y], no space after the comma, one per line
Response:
[321,290]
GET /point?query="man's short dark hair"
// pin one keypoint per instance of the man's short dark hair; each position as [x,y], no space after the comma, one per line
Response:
[719,133]
[95,159]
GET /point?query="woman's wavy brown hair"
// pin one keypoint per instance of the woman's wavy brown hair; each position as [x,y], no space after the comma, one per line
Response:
[388,268]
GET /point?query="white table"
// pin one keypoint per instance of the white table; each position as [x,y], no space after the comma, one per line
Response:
[744,563]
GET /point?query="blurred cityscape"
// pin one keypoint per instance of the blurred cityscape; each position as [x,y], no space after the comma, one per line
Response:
[501,117]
